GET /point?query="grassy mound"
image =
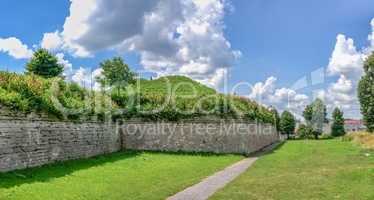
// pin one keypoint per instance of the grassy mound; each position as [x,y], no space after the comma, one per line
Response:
[168,98]
[179,85]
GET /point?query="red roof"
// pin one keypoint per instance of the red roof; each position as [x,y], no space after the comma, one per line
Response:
[353,122]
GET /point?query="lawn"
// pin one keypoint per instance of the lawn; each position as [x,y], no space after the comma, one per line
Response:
[125,175]
[325,169]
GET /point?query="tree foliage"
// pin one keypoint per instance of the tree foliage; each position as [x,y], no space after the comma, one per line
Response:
[366,93]
[305,131]
[44,64]
[337,128]
[57,98]
[315,115]
[287,123]
[116,73]
[276,118]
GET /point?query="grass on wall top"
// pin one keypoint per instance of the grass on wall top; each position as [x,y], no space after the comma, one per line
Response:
[58,98]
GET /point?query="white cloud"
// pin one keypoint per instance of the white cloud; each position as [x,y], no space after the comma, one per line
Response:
[268,94]
[189,42]
[371,36]
[52,41]
[171,36]
[88,29]
[347,63]
[15,48]
[343,85]
[341,93]
[260,89]
[76,25]
[345,58]
[87,78]
[216,79]
[68,67]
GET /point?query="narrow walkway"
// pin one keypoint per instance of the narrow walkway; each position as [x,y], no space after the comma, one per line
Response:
[210,185]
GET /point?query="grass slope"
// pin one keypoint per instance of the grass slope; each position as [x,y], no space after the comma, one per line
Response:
[170,98]
[179,85]
[119,176]
[328,169]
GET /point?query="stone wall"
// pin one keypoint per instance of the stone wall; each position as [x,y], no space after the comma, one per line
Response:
[30,140]
[214,135]
[26,142]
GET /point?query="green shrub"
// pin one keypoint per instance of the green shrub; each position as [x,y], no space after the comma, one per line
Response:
[68,100]
[44,64]
[305,132]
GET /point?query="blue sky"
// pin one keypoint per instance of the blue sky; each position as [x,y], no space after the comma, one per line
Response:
[288,38]
[279,41]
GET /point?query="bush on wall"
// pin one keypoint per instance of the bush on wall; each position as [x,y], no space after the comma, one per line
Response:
[60,99]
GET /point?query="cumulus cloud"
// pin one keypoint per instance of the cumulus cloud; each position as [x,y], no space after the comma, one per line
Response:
[68,67]
[371,36]
[52,41]
[345,58]
[346,62]
[171,36]
[15,48]
[76,25]
[283,98]
[261,89]
[342,94]
[87,78]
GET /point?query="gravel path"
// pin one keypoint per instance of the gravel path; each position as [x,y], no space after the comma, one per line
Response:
[210,185]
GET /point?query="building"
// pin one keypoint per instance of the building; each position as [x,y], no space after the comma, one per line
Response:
[354,125]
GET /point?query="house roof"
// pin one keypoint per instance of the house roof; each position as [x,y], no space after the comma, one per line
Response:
[353,122]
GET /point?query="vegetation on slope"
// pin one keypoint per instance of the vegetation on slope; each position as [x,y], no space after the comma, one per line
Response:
[27,93]
[145,99]
[179,85]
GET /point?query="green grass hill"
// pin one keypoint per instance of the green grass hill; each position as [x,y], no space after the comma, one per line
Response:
[179,85]
[174,98]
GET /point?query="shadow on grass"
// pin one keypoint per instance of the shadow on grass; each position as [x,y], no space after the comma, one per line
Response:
[268,150]
[59,169]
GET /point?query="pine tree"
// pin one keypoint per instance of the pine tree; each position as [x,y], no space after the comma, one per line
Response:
[44,64]
[337,128]
[287,123]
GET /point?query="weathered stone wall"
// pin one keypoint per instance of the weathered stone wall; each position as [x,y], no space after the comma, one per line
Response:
[214,135]
[29,142]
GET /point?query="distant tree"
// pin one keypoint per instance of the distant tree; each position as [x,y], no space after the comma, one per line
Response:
[305,131]
[276,118]
[366,93]
[44,64]
[308,113]
[315,115]
[287,123]
[116,73]
[337,128]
